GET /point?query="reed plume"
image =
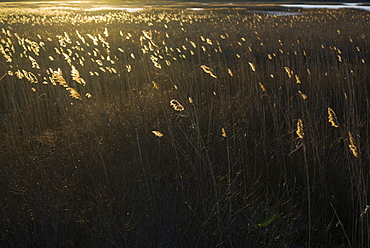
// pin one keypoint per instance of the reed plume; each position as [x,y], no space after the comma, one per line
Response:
[223,132]
[299,131]
[76,76]
[297,79]
[253,67]
[288,71]
[262,87]
[352,145]
[208,70]
[332,117]
[155,85]
[304,96]
[158,134]
[176,105]
[230,72]
[73,93]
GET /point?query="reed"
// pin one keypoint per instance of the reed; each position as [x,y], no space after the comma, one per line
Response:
[163,127]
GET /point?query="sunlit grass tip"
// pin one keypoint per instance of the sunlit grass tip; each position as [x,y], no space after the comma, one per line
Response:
[352,145]
[208,70]
[176,105]
[223,132]
[158,134]
[299,131]
[332,118]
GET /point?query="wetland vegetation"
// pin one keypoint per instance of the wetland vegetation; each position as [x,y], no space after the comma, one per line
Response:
[184,127]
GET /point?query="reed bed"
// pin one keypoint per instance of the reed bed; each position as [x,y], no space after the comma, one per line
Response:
[170,127]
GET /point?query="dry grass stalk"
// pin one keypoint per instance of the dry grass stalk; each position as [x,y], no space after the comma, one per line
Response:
[367,208]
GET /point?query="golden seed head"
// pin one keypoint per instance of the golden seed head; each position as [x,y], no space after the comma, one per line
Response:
[176,105]
[352,145]
[73,93]
[299,131]
[332,118]
[262,87]
[252,66]
[298,81]
[223,132]
[288,71]
[158,134]
[155,85]
[230,72]
[302,95]
[208,70]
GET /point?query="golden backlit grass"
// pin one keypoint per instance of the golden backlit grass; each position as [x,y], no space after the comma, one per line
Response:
[173,127]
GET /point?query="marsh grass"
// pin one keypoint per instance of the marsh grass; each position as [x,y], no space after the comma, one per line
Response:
[185,132]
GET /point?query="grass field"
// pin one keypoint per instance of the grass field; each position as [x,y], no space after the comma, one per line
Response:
[171,127]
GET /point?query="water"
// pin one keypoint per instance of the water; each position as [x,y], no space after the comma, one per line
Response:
[329,6]
[133,6]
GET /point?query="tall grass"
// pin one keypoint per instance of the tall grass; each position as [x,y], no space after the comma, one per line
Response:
[173,127]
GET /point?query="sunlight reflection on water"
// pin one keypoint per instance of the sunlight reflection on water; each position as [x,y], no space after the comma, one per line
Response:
[328,6]
[135,6]
[74,5]
[95,8]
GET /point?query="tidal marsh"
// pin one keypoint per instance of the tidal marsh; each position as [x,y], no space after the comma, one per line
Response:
[173,127]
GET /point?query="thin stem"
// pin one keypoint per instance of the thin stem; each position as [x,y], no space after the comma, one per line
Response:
[308,195]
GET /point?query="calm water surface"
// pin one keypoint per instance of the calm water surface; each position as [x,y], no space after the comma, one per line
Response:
[267,8]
